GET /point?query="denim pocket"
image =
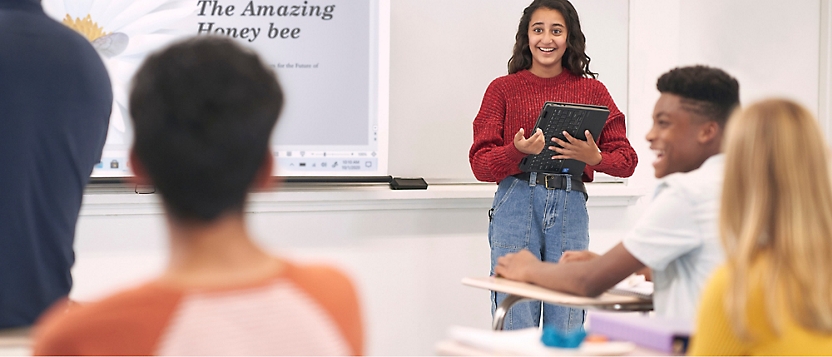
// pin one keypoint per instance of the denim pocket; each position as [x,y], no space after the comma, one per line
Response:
[504,190]
[575,230]
[508,230]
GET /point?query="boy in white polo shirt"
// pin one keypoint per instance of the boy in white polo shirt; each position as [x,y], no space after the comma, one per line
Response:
[676,238]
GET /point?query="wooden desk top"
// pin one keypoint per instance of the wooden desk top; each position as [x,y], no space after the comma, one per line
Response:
[605,301]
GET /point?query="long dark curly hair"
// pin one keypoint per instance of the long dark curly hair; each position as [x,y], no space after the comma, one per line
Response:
[574,59]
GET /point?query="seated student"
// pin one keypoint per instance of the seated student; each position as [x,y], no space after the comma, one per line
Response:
[677,236]
[203,112]
[774,294]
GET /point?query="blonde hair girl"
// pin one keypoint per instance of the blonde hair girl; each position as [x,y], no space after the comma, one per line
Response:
[774,295]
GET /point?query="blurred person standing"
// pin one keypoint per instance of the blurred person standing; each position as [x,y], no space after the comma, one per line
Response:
[55,103]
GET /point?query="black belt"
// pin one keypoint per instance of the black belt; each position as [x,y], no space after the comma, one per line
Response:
[554,182]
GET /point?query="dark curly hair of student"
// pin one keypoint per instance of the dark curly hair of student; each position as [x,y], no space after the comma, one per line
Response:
[575,59]
[709,92]
[203,111]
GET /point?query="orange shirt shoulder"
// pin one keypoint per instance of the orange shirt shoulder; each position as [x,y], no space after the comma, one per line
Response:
[137,321]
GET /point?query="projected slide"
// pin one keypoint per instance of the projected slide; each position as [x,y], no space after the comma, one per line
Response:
[331,57]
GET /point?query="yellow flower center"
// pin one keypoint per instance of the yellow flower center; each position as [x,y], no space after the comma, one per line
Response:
[85,27]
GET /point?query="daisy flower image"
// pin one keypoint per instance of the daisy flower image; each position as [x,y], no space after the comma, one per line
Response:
[123,32]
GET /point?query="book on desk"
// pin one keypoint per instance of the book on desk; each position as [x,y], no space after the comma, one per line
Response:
[656,333]
[634,285]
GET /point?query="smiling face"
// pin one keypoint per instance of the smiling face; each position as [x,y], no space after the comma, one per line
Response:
[547,42]
[680,140]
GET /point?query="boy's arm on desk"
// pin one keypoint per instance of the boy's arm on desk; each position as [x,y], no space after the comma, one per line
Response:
[584,278]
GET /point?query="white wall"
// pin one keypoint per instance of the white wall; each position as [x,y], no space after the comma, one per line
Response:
[771,47]
[408,250]
[825,75]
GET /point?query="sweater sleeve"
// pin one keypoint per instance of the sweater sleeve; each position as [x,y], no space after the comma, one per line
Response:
[618,158]
[492,159]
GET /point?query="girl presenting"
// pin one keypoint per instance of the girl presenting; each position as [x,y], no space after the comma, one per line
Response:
[529,212]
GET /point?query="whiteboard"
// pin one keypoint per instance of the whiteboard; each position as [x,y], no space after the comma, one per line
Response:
[443,55]
[330,56]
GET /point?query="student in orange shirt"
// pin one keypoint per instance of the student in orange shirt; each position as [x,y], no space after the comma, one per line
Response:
[203,112]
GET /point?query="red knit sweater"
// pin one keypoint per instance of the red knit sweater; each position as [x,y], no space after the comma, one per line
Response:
[514,101]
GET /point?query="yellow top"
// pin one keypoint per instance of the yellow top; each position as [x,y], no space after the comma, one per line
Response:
[715,335]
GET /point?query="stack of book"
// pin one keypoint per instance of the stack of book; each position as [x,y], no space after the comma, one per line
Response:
[655,333]
[634,285]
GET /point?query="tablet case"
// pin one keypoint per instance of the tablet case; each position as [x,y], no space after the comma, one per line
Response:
[554,119]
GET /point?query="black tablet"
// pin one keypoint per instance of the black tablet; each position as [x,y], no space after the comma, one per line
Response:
[554,119]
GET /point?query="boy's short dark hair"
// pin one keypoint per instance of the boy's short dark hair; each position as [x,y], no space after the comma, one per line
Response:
[203,111]
[706,91]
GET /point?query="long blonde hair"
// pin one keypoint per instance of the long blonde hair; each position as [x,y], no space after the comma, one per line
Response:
[777,209]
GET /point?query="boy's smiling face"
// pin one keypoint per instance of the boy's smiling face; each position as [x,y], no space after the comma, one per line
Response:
[675,137]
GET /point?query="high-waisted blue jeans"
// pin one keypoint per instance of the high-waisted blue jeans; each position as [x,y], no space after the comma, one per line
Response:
[546,222]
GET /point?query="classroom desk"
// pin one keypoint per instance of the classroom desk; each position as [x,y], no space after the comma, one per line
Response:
[518,291]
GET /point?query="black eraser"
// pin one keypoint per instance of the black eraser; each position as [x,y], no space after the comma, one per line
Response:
[399,183]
